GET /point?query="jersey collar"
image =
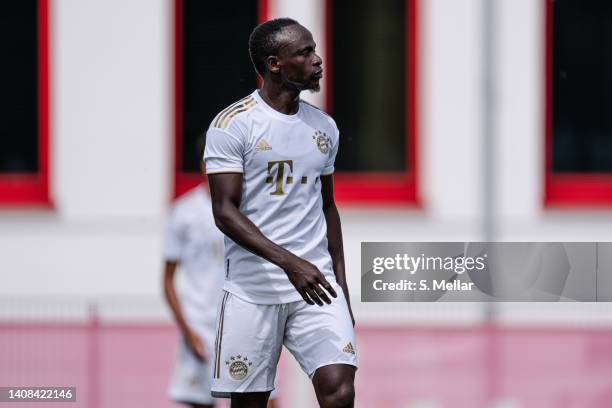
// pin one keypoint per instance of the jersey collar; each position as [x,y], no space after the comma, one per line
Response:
[273,112]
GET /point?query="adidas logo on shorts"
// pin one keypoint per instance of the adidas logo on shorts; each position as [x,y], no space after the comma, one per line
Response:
[349,349]
[262,145]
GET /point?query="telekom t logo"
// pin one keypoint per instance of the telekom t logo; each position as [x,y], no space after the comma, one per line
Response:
[280,175]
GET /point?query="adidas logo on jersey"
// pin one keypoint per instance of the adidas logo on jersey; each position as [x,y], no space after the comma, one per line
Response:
[262,146]
[349,349]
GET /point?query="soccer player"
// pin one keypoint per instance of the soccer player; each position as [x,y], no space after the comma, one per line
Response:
[269,159]
[193,241]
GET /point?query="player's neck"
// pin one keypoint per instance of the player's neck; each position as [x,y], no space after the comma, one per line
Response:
[284,100]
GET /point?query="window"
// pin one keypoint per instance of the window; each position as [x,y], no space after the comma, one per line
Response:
[579,102]
[209,72]
[24,136]
[372,98]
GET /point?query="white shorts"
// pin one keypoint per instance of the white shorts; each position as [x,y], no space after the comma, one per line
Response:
[250,338]
[191,380]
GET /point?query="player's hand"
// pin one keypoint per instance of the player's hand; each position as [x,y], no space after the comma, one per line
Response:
[195,344]
[309,282]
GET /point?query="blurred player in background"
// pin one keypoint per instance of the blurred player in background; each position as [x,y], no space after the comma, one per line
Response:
[193,241]
[270,159]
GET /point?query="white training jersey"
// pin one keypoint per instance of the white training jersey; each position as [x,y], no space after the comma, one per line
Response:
[282,158]
[193,240]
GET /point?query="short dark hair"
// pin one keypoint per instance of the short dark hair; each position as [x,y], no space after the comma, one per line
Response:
[264,41]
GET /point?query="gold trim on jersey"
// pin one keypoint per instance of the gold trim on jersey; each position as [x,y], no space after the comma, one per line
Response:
[239,109]
[233,108]
[220,114]
[223,119]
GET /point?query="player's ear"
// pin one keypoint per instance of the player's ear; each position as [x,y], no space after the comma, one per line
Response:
[273,64]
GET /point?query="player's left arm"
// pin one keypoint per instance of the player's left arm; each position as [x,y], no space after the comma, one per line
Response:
[334,235]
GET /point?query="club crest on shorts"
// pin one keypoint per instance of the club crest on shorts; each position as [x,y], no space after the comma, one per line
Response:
[238,366]
[349,348]
[323,141]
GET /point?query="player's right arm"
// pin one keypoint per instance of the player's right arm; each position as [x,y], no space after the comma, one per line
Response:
[226,192]
[224,165]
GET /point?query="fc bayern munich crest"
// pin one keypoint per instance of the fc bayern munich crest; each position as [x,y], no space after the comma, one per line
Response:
[323,141]
[238,366]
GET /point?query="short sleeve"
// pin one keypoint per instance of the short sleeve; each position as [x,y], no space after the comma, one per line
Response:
[174,238]
[223,152]
[329,166]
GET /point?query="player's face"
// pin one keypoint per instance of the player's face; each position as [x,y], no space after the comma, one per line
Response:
[299,63]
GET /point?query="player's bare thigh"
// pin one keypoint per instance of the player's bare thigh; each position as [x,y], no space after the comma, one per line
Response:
[334,385]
